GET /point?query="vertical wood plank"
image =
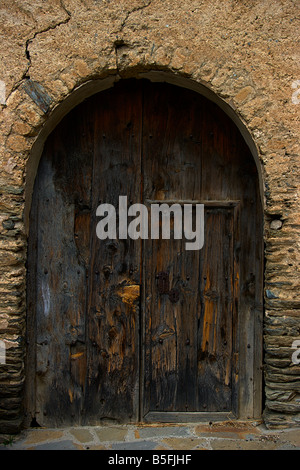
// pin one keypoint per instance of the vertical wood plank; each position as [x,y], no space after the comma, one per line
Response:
[114,277]
[64,194]
[172,170]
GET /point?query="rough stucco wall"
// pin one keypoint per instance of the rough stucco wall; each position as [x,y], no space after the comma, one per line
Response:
[247,52]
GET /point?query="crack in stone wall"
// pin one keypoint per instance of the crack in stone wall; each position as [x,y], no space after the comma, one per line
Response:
[26,74]
[135,9]
[120,43]
[45,30]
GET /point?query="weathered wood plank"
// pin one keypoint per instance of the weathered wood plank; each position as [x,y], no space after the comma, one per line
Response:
[115,271]
[63,194]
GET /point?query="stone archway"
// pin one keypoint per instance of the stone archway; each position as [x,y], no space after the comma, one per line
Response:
[92,87]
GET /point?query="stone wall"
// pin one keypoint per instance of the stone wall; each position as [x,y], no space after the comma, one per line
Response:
[245,52]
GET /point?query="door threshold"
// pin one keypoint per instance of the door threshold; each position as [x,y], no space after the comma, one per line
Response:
[187,417]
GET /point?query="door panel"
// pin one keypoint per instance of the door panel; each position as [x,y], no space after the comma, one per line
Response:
[189,343]
[85,291]
[215,341]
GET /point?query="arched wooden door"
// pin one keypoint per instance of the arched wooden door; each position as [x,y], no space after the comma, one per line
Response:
[106,340]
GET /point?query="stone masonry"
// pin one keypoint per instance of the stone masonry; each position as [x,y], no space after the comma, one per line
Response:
[246,53]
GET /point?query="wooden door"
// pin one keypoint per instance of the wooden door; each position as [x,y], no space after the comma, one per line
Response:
[106,342]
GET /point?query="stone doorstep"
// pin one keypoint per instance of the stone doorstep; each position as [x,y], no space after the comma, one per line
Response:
[230,435]
[230,430]
[38,436]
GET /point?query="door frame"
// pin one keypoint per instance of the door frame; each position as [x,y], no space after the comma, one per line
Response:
[95,86]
